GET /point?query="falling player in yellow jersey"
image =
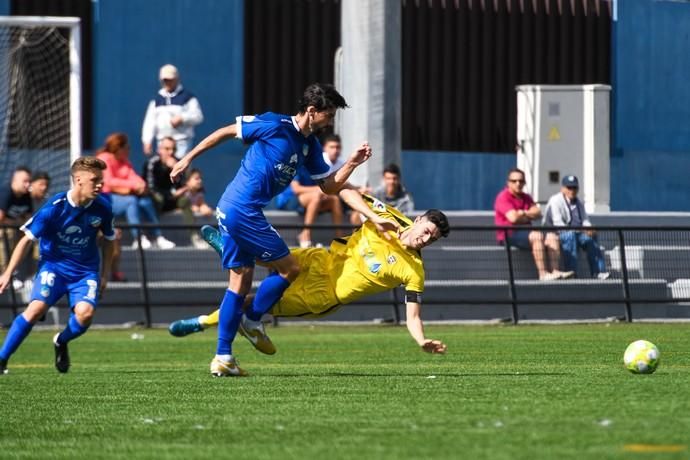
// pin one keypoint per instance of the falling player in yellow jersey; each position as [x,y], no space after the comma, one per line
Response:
[381,255]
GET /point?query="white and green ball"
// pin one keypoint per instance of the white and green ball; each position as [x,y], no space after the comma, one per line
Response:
[641,357]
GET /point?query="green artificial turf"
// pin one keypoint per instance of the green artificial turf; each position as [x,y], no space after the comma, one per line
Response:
[501,392]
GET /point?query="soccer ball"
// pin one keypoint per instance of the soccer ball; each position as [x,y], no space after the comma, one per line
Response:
[641,357]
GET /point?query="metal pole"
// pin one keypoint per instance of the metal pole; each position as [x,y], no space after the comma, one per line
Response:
[144,282]
[626,284]
[511,278]
[13,294]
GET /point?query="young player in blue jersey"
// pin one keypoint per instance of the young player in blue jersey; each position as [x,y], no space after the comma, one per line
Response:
[67,227]
[279,146]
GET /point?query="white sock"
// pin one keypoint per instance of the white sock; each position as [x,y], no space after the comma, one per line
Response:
[224,357]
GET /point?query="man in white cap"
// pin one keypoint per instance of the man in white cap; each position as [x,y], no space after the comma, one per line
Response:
[174,112]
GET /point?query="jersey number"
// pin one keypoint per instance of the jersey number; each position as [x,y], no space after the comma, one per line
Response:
[47,278]
[93,285]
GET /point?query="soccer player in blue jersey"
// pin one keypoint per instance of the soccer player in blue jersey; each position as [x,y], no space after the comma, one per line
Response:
[279,146]
[67,227]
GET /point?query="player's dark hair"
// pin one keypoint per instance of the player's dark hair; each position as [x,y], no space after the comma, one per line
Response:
[322,96]
[90,164]
[392,168]
[439,219]
[330,138]
[40,175]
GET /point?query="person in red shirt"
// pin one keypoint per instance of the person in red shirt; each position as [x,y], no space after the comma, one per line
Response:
[127,190]
[513,207]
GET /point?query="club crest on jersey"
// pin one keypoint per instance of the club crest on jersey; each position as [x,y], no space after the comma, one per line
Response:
[95,222]
[378,205]
[391,259]
[293,159]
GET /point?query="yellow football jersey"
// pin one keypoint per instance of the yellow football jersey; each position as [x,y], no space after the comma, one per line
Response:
[362,264]
[367,263]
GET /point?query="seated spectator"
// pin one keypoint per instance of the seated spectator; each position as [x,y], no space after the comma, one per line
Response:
[565,209]
[40,182]
[331,151]
[15,208]
[166,195]
[513,207]
[127,190]
[314,202]
[195,192]
[392,191]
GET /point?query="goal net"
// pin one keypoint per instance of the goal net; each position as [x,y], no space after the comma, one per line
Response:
[40,96]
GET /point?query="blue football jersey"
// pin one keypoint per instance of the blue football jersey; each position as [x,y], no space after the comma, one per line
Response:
[278,149]
[68,232]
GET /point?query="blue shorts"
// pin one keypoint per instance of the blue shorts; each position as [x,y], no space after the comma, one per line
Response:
[520,239]
[247,236]
[51,283]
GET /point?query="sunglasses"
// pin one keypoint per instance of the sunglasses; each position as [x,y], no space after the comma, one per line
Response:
[516,181]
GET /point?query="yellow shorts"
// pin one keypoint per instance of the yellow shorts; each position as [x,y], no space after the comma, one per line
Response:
[312,293]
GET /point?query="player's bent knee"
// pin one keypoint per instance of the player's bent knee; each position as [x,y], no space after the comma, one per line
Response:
[84,312]
[35,310]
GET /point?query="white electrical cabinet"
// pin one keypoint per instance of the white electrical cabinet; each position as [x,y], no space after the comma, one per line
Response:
[564,130]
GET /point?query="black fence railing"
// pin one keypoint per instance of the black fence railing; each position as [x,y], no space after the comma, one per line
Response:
[641,265]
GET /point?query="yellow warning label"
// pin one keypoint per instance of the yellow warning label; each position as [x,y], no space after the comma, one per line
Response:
[554,134]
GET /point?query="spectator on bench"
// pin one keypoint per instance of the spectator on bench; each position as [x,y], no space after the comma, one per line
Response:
[195,192]
[513,207]
[15,208]
[40,182]
[392,192]
[127,190]
[166,195]
[565,209]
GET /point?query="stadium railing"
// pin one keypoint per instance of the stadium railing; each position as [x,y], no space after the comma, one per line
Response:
[647,265]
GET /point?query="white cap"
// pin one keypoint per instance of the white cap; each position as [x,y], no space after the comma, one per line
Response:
[168,72]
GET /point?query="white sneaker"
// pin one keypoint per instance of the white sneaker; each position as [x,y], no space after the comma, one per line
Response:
[198,242]
[223,367]
[145,243]
[549,277]
[603,275]
[163,243]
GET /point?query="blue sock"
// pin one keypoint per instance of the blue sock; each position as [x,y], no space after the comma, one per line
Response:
[72,330]
[270,290]
[229,321]
[18,331]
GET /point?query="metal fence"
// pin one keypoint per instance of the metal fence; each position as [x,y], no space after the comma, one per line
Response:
[646,265]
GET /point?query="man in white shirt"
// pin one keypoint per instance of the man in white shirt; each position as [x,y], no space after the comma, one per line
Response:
[174,112]
[565,209]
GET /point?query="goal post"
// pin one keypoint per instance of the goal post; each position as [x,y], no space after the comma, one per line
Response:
[40,95]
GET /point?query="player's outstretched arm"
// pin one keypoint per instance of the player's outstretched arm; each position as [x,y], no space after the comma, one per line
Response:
[213,139]
[354,199]
[416,329]
[18,255]
[333,183]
